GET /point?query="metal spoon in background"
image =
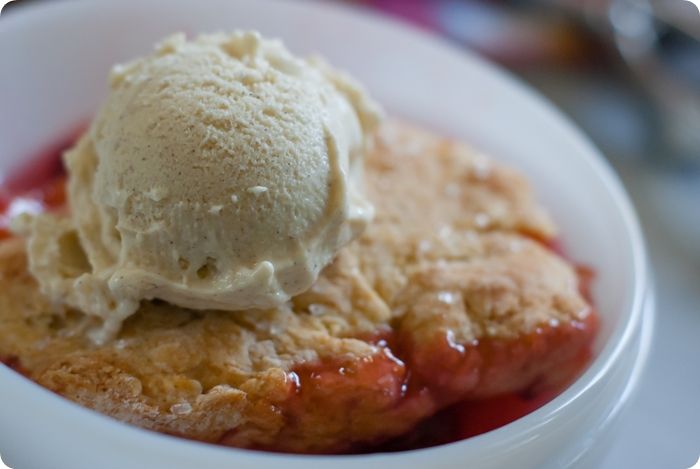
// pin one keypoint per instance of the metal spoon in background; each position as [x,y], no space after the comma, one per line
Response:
[659,41]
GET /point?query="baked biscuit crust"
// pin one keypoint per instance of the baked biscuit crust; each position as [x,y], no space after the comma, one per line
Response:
[450,294]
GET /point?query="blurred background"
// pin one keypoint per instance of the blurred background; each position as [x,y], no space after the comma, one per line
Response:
[628,73]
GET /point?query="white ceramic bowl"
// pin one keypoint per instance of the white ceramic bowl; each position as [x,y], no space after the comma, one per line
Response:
[55,59]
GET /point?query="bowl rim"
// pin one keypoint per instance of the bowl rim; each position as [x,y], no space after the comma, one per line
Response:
[620,338]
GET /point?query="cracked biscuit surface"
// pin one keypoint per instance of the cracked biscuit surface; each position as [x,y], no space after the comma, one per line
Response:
[447,295]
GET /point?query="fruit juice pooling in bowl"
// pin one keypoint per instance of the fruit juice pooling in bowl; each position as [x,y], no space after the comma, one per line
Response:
[451,314]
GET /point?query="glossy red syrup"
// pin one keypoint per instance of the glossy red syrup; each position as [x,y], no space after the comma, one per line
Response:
[439,382]
[14,364]
[36,186]
[416,382]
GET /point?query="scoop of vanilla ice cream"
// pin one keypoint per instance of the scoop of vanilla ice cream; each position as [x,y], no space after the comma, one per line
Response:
[221,173]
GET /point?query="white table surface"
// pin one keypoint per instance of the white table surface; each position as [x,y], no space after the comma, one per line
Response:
[661,428]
